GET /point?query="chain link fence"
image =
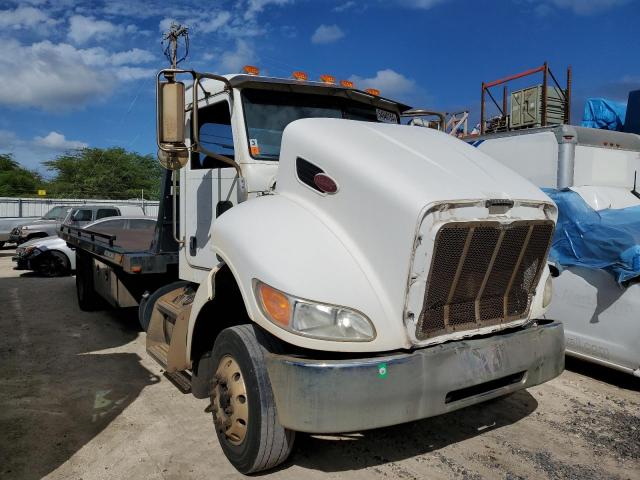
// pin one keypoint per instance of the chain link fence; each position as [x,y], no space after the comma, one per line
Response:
[37,207]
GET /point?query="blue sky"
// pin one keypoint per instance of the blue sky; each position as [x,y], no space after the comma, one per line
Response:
[81,73]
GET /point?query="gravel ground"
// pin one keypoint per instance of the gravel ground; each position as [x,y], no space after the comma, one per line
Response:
[80,399]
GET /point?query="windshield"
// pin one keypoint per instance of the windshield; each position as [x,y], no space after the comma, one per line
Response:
[267,113]
[56,213]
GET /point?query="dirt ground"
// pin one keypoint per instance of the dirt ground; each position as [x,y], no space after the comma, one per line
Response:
[80,399]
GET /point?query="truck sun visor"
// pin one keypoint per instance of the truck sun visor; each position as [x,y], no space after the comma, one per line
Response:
[606,239]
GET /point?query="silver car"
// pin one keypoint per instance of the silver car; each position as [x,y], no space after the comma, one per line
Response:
[51,256]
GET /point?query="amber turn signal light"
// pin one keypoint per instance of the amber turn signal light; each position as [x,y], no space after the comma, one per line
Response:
[251,70]
[299,75]
[275,304]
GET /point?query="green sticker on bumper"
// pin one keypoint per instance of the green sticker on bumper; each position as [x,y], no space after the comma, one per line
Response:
[382,370]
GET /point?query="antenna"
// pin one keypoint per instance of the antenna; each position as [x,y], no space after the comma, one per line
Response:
[171,40]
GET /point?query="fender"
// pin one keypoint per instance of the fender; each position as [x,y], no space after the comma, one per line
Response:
[278,241]
[205,293]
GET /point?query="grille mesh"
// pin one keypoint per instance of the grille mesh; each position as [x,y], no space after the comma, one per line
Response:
[482,273]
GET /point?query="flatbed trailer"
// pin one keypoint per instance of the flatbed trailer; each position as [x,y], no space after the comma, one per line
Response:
[121,265]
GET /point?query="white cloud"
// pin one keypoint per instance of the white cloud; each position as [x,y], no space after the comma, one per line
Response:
[422,4]
[134,73]
[32,152]
[214,22]
[57,141]
[580,7]
[60,76]
[25,17]
[82,29]
[327,34]
[233,60]
[256,6]
[135,55]
[389,82]
[344,6]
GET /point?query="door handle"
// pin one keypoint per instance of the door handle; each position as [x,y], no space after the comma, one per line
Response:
[193,245]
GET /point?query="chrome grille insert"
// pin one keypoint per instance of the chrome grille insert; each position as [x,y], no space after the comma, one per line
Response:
[482,274]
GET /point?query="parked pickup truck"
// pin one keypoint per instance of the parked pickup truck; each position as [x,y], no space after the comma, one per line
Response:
[7,225]
[49,225]
[319,267]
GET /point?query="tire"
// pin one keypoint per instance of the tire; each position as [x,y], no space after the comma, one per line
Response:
[145,307]
[1,244]
[88,299]
[53,264]
[265,443]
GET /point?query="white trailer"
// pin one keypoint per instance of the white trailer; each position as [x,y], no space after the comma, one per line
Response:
[601,318]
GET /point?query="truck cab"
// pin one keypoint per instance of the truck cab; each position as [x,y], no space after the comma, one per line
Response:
[333,270]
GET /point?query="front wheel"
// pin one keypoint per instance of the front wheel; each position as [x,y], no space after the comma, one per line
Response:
[242,403]
[53,264]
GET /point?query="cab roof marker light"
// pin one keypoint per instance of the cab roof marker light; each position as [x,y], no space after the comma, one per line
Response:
[328,79]
[299,75]
[346,84]
[373,91]
[251,70]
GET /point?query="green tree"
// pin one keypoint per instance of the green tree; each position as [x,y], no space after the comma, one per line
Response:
[16,181]
[104,173]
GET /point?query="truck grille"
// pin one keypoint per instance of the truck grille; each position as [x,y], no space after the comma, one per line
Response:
[482,274]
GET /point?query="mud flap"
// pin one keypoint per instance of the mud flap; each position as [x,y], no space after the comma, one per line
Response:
[167,333]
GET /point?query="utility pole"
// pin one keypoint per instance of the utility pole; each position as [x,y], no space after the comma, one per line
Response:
[171,37]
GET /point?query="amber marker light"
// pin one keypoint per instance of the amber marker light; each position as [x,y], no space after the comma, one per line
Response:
[329,79]
[298,75]
[346,83]
[275,304]
[373,91]
[251,70]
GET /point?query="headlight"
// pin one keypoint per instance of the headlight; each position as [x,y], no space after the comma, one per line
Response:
[548,292]
[313,319]
[24,228]
[31,251]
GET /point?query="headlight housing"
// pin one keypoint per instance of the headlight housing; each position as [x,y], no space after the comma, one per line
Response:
[24,228]
[313,319]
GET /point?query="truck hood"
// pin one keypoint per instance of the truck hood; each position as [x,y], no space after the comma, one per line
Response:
[6,224]
[387,178]
[39,223]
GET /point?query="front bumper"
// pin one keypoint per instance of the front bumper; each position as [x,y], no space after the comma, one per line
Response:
[22,263]
[333,396]
[16,238]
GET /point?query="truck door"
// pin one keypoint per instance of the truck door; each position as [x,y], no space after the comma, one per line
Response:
[211,186]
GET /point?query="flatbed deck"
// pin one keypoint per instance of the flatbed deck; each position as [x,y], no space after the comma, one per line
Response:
[130,250]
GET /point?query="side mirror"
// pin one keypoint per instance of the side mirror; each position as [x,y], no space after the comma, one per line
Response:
[173,153]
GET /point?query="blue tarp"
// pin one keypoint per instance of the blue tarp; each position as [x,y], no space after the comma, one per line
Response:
[604,114]
[606,239]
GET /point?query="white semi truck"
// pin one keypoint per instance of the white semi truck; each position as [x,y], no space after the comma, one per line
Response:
[600,316]
[319,267]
